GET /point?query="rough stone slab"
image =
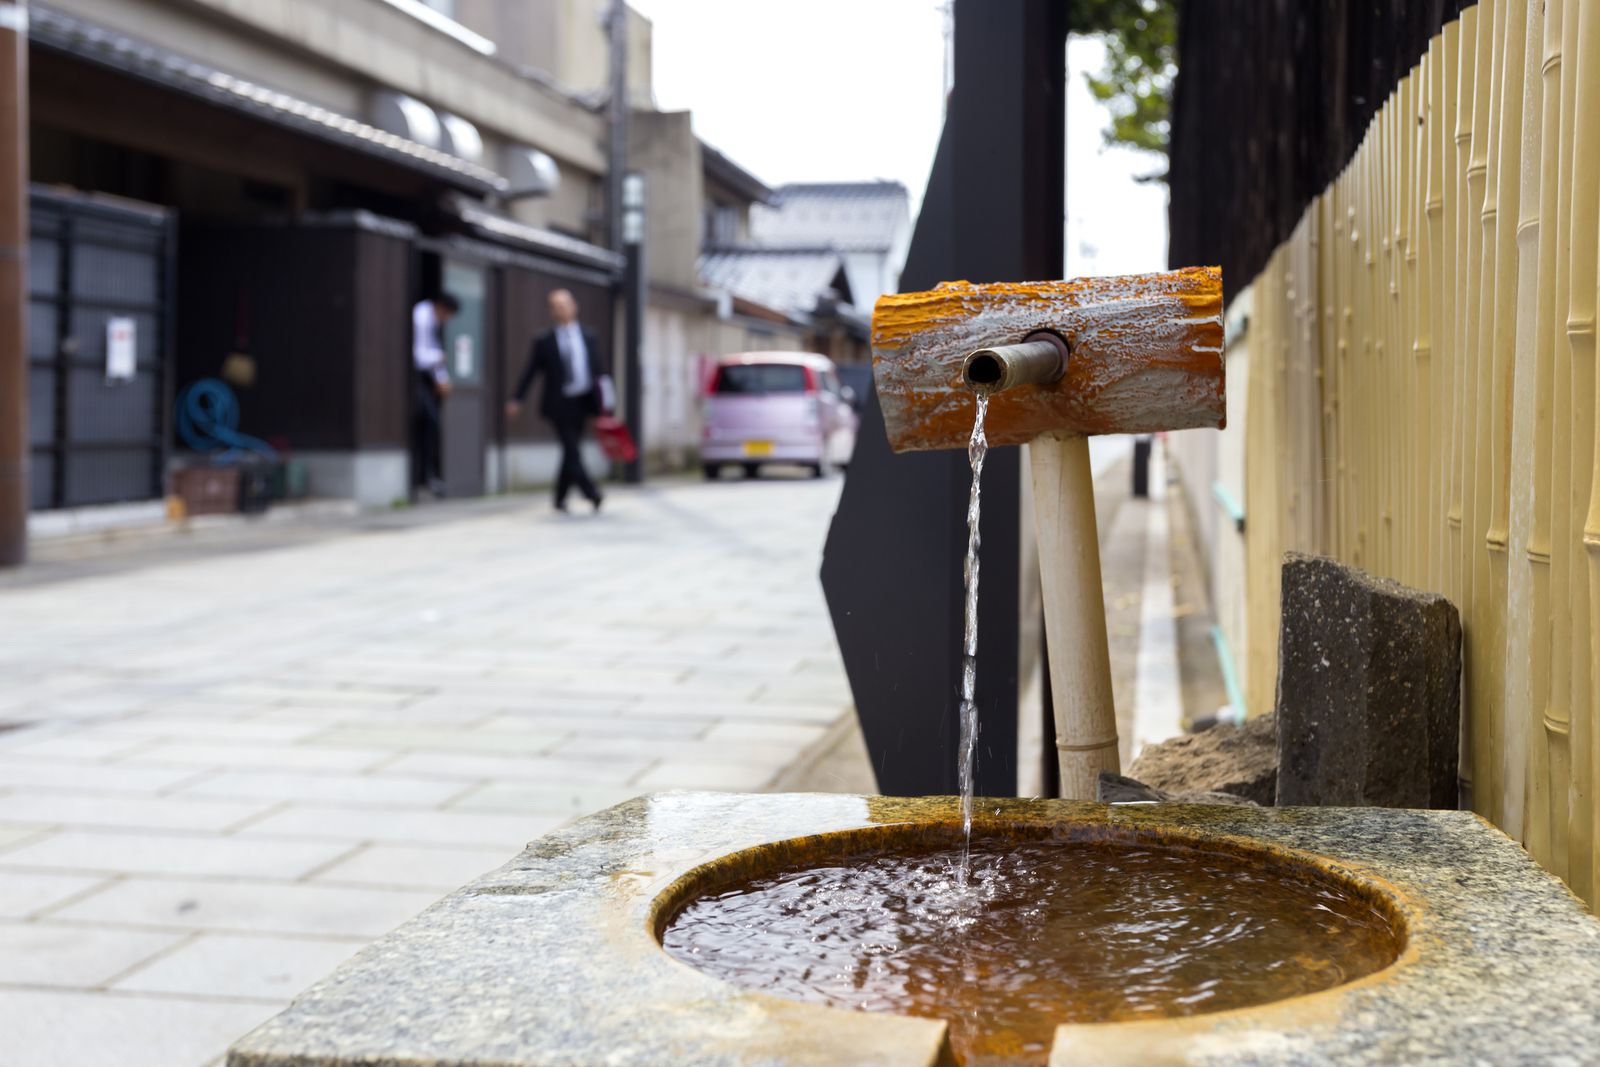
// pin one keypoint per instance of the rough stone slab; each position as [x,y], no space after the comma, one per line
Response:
[1241,760]
[1369,695]
[1120,789]
[551,961]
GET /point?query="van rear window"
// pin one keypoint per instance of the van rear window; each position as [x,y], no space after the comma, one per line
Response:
[760,379]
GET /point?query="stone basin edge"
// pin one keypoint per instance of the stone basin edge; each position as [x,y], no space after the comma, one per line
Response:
[605,883]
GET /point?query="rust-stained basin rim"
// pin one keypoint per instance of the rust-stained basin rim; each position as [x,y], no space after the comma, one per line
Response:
[768,859]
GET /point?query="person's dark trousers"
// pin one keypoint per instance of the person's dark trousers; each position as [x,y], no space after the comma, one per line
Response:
[425,430]
[568,424]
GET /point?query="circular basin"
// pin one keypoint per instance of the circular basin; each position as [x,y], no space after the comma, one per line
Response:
[1046,925]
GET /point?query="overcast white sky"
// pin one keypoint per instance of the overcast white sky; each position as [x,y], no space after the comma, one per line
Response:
[847,90]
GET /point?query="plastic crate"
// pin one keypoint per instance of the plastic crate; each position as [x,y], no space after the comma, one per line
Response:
[289,480]
[206,490]
[255,488]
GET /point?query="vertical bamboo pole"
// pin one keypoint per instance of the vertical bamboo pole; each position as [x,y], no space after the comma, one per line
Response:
[1404,336]
[1389,383]
[1499,393]
[1517,458]
[1439,307]
[1536,831]
[1591,543]
[1558,720]
[1379,371]
[1447,350]
[1365,439]
[1343,248]
[1380,425]
[1580,328]
[1327,324]
[1460,284]
[1417,326]
[1074,611]
[1477,172]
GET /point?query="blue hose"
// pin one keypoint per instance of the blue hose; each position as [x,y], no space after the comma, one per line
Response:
[208,421]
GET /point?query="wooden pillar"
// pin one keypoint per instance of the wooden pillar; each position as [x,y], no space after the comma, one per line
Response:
[13,282]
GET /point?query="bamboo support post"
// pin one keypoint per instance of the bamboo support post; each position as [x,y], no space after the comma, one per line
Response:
[1074,611]
[1059,360]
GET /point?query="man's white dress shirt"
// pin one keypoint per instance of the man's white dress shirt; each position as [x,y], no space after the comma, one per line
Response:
[575,354]
[427,347]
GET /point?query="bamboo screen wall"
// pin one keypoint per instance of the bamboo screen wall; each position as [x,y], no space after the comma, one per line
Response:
[1422,395]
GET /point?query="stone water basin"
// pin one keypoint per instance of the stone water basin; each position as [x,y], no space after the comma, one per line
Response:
[1175,935]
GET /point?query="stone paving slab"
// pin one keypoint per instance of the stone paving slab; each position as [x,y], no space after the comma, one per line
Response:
[48,1027]
[240,767]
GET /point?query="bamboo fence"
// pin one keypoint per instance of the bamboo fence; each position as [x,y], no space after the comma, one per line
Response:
[1421,399]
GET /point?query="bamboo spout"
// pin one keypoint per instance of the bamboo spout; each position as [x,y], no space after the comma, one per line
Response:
[1041,358]
[1145,355]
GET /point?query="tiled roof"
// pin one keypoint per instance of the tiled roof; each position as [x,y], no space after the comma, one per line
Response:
[789,280]
[849,216]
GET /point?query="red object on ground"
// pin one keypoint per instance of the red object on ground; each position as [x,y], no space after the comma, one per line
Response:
[615,440]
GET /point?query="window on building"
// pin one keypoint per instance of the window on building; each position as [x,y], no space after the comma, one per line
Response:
[721,224]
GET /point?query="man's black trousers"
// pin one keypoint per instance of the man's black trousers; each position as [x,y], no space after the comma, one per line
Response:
[425,430]
[568,424]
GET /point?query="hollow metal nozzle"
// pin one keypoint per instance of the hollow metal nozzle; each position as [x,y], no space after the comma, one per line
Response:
[1037,360]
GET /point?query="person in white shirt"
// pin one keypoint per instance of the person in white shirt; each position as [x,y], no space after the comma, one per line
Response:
[431,383]
[577,386]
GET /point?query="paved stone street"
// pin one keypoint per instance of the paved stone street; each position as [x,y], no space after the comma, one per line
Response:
[228,772]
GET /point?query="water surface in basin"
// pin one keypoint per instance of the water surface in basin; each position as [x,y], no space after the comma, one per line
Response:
[1043,933]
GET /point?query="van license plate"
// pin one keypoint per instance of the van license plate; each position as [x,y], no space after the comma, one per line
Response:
[758,448]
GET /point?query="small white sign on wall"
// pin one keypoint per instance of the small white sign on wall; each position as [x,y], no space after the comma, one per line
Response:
[122,349]
[464,355]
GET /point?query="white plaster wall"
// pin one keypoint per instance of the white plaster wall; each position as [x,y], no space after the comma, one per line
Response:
[373,478]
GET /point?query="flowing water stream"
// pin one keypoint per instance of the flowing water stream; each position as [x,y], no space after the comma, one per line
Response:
[977,449]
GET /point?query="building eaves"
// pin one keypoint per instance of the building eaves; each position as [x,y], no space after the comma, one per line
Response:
[726,171]
[61,32]
[502,228]
[881,188]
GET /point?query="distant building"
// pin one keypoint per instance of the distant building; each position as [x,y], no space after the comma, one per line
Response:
[268,186]
[867,223]
[279,180]
[711,291]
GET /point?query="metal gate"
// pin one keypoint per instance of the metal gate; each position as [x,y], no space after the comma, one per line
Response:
[100,291]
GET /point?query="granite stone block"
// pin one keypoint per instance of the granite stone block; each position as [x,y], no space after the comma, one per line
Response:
[1369,700]
[553,959]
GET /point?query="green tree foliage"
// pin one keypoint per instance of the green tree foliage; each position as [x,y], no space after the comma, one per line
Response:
[1141,38]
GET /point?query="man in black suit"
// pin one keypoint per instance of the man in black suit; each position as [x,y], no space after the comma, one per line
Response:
[577,386]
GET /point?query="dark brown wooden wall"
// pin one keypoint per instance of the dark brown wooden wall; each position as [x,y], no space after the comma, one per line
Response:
[382,350]
[1272,98]
[293,293]
[325,314]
